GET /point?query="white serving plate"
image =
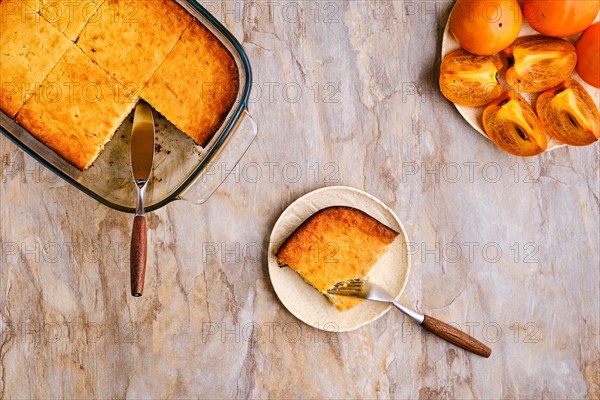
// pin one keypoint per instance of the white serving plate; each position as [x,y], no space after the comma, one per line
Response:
[474,115]
[305,302]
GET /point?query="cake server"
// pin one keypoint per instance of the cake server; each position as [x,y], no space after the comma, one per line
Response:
[370,291]
[142,159]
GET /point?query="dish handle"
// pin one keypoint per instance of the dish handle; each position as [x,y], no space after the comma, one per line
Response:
[224,162]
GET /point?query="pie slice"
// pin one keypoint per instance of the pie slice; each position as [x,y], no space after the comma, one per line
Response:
[336,244]
[130,38]
[29,48]
[69,16]
[77,109]
[195,93]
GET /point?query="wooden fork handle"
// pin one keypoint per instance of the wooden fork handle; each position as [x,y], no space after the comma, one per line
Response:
[138,255]
[455,336]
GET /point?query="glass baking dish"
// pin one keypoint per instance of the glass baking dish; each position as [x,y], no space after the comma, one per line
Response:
[182,170]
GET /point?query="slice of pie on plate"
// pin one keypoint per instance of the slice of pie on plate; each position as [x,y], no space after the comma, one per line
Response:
[333,245]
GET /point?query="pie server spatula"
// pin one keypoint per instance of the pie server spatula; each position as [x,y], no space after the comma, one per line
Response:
[142,159]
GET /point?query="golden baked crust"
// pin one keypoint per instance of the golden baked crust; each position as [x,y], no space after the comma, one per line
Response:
[130,38]
[195,92]
[25,7]
[69,16]
[336,244]
[77,109]
[29,48]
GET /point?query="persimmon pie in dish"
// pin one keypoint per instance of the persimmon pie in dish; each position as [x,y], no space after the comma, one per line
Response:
[71,79]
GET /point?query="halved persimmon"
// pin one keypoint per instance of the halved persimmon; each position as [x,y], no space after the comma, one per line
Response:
[537,63]
[470,80]
[510,122]
[569,114]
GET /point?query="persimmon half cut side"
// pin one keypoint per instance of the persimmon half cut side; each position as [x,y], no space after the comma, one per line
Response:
[537,63]
[511,123]
[470,80]
[568,114]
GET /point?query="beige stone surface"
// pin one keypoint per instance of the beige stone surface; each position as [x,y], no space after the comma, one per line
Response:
[344,93]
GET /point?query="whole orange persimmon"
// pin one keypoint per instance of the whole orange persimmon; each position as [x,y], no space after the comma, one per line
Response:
[560,18]
[485,27]
[588,55]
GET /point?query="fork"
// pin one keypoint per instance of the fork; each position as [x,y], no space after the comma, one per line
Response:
[366,290]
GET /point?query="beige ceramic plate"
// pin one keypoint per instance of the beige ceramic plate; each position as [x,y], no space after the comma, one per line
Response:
[305,302]
[473,115]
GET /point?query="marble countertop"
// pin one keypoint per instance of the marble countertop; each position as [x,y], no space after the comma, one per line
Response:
[344,93]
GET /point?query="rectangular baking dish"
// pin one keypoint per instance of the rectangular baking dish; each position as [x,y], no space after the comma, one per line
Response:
[182,170]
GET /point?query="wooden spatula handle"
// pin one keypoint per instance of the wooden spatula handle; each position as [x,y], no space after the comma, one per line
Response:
[455,336]
[138,255]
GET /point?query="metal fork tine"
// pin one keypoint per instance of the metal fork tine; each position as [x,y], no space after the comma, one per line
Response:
[342,293]
[347,294]
[353,288]
[353,282]
[344,289]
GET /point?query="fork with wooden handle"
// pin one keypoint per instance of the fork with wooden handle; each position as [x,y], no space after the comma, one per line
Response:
[370,291]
